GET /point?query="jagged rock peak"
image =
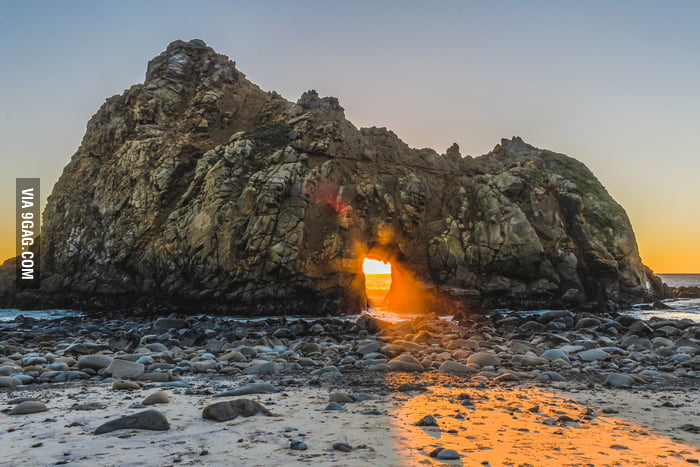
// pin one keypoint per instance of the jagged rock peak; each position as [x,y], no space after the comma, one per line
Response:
[189,61]
[514,146]
[311,100]
[453,150]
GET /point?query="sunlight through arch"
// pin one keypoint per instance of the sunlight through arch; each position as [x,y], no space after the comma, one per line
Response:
[372,266]
[377,282]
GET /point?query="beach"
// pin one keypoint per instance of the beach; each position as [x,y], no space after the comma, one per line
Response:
[548,389]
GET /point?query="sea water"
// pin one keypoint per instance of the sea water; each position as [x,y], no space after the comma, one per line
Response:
[682,308]
[12,313]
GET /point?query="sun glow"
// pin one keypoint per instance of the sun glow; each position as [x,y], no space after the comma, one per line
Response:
[371,266]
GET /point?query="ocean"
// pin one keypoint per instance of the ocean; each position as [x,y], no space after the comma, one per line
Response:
[681,280]
[683,308]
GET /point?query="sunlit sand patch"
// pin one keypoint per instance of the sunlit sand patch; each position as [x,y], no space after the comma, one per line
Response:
[522,425]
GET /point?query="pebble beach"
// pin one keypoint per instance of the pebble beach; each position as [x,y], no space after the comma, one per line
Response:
[554,388]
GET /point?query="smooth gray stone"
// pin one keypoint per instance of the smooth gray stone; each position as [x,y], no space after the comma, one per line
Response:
[341,398]
[484,359]
[28,407]
[228,410]
[593,355]
[125,369]
[253,388]
[551,376]
[95,362]
[456,368]
[448,454]
[9,382]
[267,368]
[61,376]
[617,380]
[555,354]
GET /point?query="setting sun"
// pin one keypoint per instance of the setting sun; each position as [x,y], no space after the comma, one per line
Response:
[371,266]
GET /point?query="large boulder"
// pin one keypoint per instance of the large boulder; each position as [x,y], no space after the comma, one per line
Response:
[197,189]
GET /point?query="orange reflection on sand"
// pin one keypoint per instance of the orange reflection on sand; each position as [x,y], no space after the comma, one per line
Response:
[522,425]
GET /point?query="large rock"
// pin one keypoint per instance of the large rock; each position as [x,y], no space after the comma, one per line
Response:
[198,190]
[146,420]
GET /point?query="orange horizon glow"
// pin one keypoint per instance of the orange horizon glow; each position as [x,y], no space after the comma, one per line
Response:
[663,257]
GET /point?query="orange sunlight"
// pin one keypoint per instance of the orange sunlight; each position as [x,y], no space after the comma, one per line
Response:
[377,282]
[513,425]
[372,266]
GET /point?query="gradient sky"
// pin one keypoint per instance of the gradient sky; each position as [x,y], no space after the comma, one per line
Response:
[614,84]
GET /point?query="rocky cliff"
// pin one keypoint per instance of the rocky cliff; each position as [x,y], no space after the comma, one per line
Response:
[198,189]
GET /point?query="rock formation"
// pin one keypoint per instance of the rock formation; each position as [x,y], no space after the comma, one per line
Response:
[197,189]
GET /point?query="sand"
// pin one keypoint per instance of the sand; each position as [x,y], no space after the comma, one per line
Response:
[505,424]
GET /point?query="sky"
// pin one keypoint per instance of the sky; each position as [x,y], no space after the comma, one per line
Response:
[614,84]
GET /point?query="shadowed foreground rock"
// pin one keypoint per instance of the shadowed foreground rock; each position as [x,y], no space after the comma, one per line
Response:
[146,420]
[228,410]
[198,190]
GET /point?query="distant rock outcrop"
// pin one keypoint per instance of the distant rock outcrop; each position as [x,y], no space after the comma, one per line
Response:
[197,189]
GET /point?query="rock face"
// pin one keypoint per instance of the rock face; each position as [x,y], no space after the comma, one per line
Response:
[198,189]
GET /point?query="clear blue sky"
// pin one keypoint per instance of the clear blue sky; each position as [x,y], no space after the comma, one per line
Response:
[615,84]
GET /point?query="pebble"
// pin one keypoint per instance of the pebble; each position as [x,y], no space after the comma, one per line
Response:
[408,387]
[407,363]
[555,354]
[253,388]
[124,369]
[551,376]
[428,420]
[341,398]
[617,380]
[298,445]
[456,368]
[28,407]
[343,447]
[94,362]
[125,385]
[158,397]
[484,359]
[89,406]
[9,382]
[233,356]
[593,355]
[448,454]
[334,406]
[228,410]
[267,368]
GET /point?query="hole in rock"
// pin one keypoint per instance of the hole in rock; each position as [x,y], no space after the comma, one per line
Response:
[377,282]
